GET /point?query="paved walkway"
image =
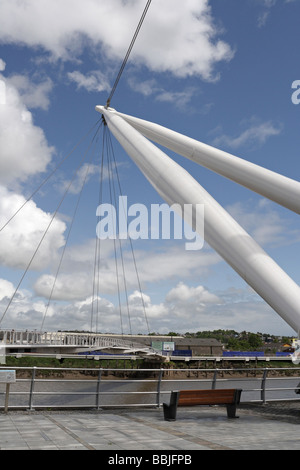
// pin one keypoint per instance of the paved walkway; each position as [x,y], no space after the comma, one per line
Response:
[205,428]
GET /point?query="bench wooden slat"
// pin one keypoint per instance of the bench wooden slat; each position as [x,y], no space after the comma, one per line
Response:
[228,397]
[206,397]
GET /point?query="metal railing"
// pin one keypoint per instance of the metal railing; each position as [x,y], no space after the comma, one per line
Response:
[110,388]
[33,338]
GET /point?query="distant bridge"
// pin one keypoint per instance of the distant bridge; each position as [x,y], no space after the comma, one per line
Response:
[72,342]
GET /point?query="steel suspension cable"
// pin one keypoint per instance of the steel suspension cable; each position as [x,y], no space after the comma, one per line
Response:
[69,233]
[128,53]
[97,256]
[130,241]
[115,248]
[111,159]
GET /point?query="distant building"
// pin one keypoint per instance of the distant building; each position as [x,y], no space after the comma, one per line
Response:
[175,344]
[200,346]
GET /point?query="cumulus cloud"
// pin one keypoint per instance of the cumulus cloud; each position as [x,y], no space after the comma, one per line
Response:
[154,268]
[75,280]
[177,37]
[25,312]
[93,81]
[32,94]
[6,289]
[20,238]
[24,150]
[184,309]
[265,223]
[256,134]
[2,65]
[181,294]
[66,287]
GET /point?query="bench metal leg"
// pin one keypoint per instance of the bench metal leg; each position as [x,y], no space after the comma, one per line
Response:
[231,411]
[170,412]
[171,409]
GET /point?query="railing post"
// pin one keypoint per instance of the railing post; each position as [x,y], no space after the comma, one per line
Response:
[214,382]
[32,389]
[98,387]
[263,386]
[159,387]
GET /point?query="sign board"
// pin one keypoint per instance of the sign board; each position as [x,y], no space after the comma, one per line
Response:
[157,345]
[168,346]
[7,376]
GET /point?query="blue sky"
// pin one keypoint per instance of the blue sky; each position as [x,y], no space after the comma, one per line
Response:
[219,71]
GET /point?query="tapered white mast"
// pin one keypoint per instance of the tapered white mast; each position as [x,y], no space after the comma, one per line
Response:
[280,189]
[221,231]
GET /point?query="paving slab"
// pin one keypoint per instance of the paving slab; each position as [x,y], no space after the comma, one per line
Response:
[129,430]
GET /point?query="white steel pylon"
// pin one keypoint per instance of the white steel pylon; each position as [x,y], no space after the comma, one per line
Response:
[176,186]
[280,189]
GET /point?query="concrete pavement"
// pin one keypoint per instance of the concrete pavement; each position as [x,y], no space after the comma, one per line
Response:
[200,428]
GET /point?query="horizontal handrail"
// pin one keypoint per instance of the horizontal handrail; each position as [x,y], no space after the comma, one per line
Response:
[96,387]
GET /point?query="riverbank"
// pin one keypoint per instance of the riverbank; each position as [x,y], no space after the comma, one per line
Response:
[139,368]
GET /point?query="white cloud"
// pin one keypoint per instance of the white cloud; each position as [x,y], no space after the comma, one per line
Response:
[93,81]
[24,312]
[180,99]
[183,295]
[153,269]
[264,222]
[256,134]
[75,280]
[144,311]
[83,175]
[24,150]
[6,289]
[20,238]
[185,308]
[150,87]
[146,87]
[189,38]
[75,286]
[177,37]
[268,5]
[32,95]
[262,18]
[2,65]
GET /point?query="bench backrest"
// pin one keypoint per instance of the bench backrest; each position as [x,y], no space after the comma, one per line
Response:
[209,397]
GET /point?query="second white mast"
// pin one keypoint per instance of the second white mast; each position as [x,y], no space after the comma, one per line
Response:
[278,188]
[221,231]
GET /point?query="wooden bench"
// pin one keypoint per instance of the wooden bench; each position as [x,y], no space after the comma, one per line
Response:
[228,397]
